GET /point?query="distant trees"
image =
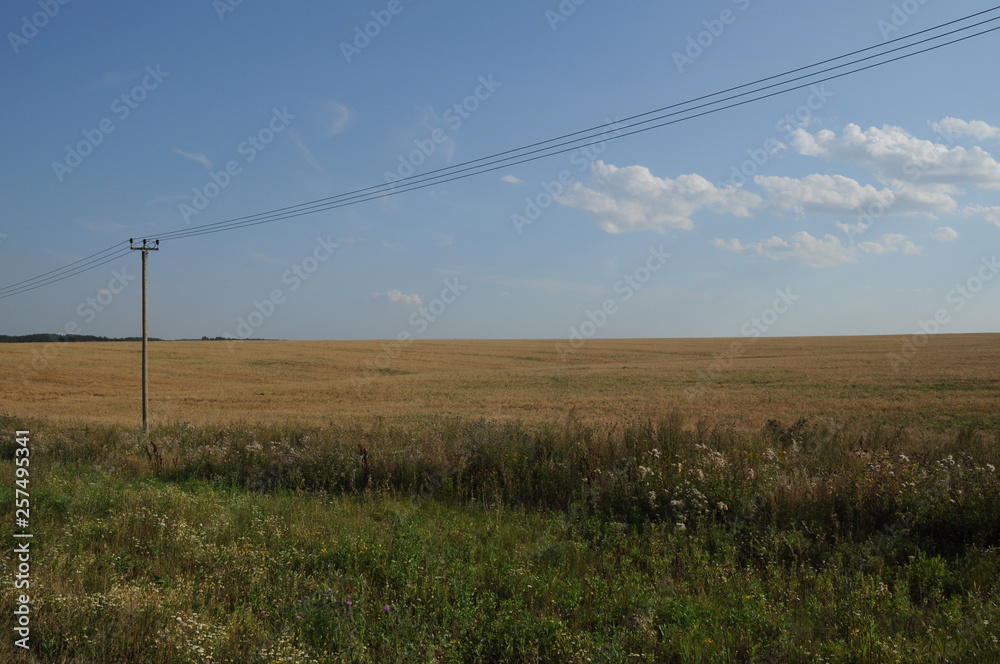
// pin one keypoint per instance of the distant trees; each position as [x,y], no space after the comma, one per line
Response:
[60,338]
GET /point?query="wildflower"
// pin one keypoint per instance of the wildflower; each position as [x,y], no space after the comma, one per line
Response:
[655,453]
[643,471]
[680,527]
[722,507]
[386,608]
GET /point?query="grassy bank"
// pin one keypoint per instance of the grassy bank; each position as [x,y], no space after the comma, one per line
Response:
[469,541]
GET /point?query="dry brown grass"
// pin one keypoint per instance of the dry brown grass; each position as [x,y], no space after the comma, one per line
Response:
[951,382]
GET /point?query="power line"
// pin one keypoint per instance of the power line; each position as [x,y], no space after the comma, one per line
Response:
[40,281]
[28,281]
[552,147]
[493,162]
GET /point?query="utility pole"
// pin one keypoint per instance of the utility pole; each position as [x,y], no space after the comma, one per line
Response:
[145,248]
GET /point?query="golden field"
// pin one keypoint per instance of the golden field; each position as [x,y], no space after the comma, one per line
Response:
[950,382]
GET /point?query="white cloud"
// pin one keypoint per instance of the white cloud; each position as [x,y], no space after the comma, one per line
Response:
[306,153]
[827,251]
[990,214]
[400,297]
[199,157]
[733,245]
[945,234]
[888,244]
[913,176]
[898,158]
[337,117]
[822,194]
[975,128]
[802,248]
[512,179]
[632,198]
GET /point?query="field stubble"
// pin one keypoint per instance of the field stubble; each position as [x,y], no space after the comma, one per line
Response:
[952,382]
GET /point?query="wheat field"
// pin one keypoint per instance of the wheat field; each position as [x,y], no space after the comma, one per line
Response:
[950,382]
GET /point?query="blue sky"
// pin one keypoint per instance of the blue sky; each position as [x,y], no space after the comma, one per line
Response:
[240,108]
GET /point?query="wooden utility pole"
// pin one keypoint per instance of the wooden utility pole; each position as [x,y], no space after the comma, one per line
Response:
[145,248]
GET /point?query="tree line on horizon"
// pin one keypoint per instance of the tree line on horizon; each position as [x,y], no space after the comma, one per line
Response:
[62,338]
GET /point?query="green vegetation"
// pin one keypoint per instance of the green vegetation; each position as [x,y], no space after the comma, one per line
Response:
[471,541]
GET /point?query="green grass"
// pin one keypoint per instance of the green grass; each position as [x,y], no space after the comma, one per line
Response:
[466,541]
